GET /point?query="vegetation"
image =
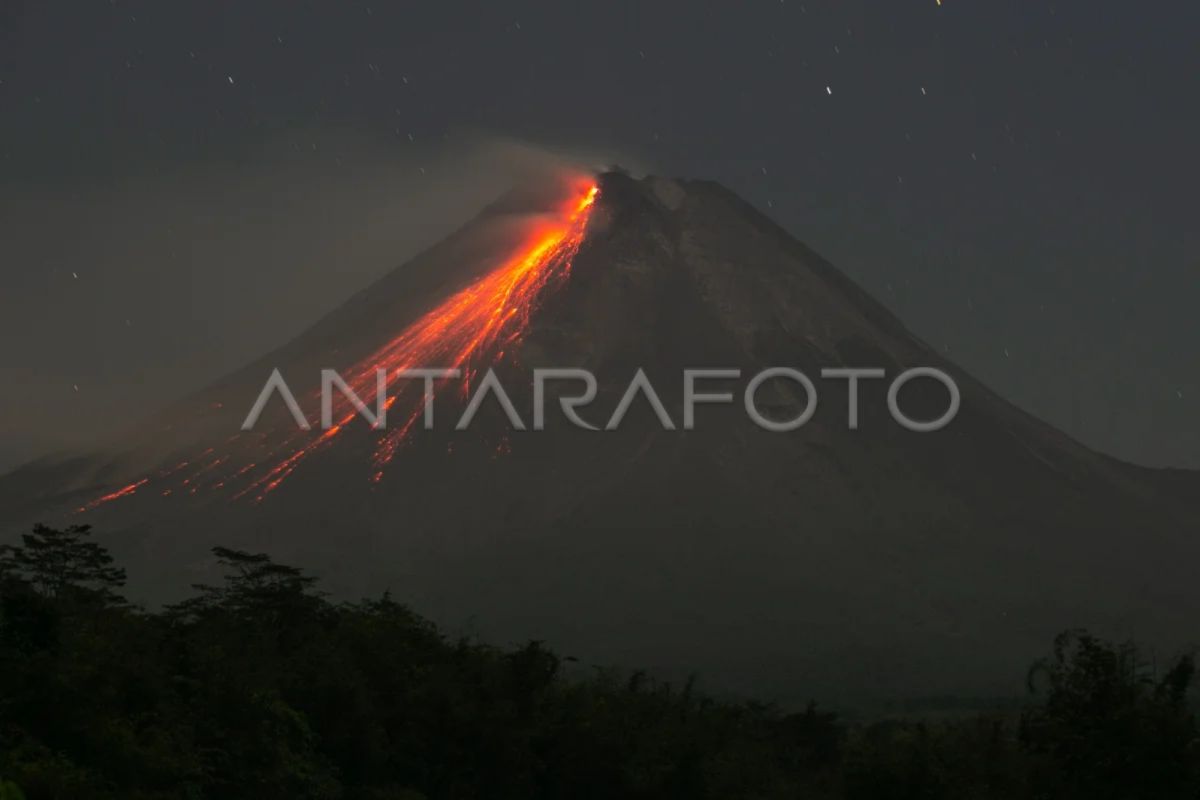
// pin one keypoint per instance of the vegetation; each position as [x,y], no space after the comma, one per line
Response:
[262,688]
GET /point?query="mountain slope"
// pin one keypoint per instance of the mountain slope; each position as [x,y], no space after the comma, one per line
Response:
[823,561]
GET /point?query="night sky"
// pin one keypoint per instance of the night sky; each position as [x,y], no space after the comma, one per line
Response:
[184,185]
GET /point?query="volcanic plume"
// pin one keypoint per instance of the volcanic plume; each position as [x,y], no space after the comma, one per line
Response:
[824,561]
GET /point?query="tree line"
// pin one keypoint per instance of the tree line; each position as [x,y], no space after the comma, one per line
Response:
[262,687]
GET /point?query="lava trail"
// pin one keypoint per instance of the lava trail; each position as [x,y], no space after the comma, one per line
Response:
[490,314]
[482,320]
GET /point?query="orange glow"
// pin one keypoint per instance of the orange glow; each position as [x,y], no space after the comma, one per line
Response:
[124,491]
[486,317]
[484,320]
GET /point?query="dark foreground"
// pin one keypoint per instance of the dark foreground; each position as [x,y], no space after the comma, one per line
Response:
[261,688]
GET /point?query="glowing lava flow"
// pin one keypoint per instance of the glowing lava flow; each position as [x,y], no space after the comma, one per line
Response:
[124,491]
[485,317]
[481,320]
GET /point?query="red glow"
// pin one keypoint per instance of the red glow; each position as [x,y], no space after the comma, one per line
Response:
[124,491]
[491,313]
[483,320]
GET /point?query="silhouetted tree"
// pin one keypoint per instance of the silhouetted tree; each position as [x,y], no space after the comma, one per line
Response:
[59,562]
[255,587]
[259,687]
[1110,724]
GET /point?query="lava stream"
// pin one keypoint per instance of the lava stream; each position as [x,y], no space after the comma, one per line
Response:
[124,491]
[483,319]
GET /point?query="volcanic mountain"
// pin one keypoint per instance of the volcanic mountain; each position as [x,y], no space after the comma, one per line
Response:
[824,561]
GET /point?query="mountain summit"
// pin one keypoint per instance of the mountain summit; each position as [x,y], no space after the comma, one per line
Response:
[822,561]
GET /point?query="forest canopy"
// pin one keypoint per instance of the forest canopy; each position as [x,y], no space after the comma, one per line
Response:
[262,687]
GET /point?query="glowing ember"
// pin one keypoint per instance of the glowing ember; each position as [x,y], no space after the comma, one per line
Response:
[122,492]
[484,319]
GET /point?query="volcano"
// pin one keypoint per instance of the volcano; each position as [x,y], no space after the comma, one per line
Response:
[828,561]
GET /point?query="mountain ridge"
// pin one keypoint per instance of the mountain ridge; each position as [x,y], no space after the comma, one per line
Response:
[792,562]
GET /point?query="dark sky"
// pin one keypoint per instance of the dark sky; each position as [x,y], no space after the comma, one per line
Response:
[185,184]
